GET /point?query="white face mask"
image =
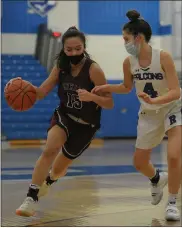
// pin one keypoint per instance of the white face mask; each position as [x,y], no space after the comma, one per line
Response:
[132,48]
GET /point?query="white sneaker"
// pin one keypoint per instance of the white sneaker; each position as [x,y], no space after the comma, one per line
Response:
[44,189]
[172,213]
[157,189]
[27,208]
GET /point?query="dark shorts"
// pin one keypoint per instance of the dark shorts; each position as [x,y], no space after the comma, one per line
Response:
[79,136]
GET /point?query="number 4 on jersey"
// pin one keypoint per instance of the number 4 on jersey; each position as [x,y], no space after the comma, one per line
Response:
[149,89]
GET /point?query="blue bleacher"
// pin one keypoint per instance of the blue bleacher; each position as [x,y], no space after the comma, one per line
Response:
[20,62]
[17,57]
[31,124]
[22,68]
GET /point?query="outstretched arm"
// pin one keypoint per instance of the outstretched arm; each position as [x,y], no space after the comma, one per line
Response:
[124,87]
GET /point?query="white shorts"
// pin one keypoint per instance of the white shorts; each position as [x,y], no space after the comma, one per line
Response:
[152,125]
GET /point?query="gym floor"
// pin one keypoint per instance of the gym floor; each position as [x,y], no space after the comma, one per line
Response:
[101,188]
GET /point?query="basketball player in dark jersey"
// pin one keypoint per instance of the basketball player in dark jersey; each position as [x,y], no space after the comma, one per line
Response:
[74,122]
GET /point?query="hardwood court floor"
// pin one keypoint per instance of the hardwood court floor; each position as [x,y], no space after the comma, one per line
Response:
[101,189]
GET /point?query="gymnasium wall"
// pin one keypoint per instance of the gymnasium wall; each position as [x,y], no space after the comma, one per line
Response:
[100,20]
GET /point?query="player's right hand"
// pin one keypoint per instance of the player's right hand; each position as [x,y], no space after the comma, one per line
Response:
[101,88]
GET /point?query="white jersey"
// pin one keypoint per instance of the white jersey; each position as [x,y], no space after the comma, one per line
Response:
[151,80]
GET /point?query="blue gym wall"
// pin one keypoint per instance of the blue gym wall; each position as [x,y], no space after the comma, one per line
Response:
[95,17]
[16,18]
[108,17]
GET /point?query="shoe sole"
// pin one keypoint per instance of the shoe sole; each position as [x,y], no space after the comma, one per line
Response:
[171,218]
[24,213]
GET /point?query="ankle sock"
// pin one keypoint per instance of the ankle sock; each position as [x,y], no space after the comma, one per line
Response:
[49,181]
[172,198]
[33,191]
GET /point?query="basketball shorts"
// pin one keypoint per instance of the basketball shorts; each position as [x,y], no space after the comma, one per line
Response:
[79,136]
[153,125]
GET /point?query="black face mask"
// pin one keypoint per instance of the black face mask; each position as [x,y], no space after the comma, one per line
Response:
[75,59]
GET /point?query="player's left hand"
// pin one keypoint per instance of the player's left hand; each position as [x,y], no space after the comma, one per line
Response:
[146,98]
[84,95]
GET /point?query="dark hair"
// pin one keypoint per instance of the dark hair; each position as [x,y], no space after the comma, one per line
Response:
[62,60]
[137,25]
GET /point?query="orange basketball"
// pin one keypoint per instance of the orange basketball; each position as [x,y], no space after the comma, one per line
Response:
[20,94]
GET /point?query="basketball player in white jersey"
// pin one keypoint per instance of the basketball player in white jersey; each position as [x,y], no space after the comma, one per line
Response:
[157,86]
